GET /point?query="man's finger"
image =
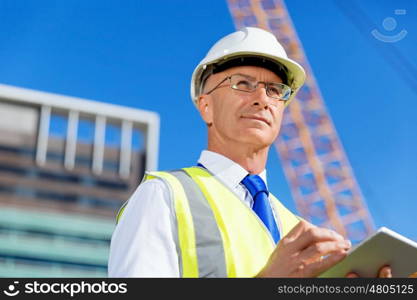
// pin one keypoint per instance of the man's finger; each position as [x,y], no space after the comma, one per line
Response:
[318,267]
[313,235]
[293,235]
[385,272]
[317,250]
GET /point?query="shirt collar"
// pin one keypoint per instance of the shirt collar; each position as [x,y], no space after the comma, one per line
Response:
[225,169]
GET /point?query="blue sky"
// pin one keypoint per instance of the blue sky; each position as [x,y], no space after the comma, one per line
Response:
[142,53]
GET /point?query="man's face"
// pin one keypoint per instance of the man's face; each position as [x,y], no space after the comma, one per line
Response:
[236,116]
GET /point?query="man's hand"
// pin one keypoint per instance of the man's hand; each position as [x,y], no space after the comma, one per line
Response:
[306,251]
[384,272]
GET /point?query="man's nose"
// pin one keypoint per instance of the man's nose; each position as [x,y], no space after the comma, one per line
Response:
[260,98]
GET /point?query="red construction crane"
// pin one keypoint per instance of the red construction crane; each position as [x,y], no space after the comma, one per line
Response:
[320,177]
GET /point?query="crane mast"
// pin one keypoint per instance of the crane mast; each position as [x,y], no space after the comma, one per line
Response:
[320,177]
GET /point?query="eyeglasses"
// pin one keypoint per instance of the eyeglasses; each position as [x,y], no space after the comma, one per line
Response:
[247,84]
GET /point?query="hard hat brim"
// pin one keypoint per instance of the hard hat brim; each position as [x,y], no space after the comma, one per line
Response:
[295,71]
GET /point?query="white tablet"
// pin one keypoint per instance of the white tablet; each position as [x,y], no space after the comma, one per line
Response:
[384,247]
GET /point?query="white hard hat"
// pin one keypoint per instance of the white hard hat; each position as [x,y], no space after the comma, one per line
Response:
[244,45]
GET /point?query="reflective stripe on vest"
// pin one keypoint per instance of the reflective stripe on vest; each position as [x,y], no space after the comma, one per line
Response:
[218,235]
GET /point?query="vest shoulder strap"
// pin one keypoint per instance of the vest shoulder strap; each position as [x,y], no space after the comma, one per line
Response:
[185,224]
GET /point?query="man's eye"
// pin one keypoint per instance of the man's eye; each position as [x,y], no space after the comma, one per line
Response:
[244,84]
[275,91]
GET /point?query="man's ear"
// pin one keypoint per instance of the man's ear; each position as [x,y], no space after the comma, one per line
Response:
[205,106]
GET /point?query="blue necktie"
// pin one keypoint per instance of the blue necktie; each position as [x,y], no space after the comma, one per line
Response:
[257,188]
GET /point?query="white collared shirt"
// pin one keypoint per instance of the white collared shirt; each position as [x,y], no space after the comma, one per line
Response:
[143,242]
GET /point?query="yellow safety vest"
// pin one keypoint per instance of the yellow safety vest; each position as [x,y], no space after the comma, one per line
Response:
[218,235]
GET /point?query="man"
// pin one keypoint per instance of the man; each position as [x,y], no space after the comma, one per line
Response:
[218,219]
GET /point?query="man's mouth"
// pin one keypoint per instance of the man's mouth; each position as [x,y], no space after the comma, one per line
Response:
[265,120]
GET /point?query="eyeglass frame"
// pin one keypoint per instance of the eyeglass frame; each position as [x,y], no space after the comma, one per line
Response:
[266,84]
